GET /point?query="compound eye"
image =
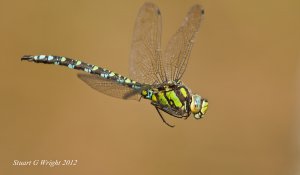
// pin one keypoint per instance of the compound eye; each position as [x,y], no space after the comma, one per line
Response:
[196,104]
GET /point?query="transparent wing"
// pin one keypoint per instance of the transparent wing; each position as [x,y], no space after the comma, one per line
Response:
[145,64]
[109,87]
[178,50]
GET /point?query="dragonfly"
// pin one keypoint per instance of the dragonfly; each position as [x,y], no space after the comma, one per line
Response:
[154,74]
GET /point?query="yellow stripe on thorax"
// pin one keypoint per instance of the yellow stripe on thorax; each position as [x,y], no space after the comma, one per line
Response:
[162,99]
[183,92]
[171,95]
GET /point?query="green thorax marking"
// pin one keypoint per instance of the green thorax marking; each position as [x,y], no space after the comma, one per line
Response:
[173,98]
[162,98]
[174,95]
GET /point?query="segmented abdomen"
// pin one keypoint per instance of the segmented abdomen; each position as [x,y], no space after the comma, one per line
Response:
[79,65]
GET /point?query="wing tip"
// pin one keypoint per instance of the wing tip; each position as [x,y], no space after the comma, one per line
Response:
[197,9]
[151,6]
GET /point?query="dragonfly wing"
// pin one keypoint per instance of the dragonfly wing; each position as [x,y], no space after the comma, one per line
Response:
[109,87]
[145,63]
[178,50]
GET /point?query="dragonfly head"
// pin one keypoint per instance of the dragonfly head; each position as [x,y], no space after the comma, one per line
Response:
[198,106]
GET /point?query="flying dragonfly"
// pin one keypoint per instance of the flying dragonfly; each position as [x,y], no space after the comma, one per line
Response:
[154,75]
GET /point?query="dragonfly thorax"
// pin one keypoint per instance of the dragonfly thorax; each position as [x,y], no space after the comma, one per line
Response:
[171,97]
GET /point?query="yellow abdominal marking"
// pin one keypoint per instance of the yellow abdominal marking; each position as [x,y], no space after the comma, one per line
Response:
[127,80]
[144,92]
[95,68]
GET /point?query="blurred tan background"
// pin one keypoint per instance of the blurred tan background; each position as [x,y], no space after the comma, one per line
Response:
[245,61]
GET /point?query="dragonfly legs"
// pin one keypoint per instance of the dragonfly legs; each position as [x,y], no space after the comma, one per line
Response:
[163,118]
[140,98]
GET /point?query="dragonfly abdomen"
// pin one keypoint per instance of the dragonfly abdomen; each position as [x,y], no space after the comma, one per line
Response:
[79,65]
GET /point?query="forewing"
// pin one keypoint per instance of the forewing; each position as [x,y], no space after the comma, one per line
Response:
[178,50]
[145,63]
[109,87]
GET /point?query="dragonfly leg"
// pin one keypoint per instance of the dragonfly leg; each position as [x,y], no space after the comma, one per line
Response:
[140,98]
[163,118]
